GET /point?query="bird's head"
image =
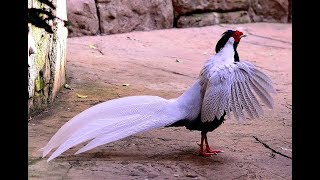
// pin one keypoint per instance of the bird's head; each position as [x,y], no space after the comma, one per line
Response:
[235,35]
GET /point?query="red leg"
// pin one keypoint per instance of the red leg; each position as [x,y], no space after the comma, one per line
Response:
[207,151]
[201,150]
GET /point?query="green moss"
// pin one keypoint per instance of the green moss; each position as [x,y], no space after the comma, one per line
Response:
[42,40]
[39,83]
[197,15]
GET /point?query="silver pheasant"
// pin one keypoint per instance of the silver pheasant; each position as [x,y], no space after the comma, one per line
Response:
[225,86]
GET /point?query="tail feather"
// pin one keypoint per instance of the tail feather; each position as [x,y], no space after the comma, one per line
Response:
[113,120]
[109,109]
[122,133]
[88,132]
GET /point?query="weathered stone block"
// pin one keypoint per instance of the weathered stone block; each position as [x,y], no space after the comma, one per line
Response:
[207,19]
[269,10]
[47,59]
[83,17]
[120,16]
[183,7]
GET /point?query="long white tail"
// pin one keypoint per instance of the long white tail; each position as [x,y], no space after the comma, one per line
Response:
[113,120]
[118,118]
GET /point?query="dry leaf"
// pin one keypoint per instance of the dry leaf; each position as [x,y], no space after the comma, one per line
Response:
[81,96]
[92,47]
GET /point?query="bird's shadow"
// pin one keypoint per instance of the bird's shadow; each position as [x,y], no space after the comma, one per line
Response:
[187,155]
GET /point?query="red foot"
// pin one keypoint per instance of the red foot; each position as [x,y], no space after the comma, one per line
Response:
[214,151]
[208,152]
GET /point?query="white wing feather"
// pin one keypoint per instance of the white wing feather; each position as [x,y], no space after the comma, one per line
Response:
[231,87]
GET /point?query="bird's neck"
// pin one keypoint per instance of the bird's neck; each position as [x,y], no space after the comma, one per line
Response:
[225,56]
[227,53]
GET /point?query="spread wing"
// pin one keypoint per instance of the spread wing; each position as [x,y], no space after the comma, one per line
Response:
[234,88]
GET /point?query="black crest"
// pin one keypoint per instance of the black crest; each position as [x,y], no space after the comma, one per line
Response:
[223,40]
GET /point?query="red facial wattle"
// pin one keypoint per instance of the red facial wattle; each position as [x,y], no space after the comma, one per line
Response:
[237,35]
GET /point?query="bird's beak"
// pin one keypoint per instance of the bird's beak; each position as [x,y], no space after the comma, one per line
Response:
[243,36]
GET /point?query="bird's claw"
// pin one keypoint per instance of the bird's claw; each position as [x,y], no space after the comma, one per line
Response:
[207,152]
[214,151]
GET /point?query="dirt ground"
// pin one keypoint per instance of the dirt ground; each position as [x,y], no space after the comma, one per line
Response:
[165,63]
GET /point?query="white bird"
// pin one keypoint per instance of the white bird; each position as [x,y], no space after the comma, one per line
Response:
[225,85]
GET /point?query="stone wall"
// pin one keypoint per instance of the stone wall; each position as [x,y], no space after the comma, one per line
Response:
[94,17]
[47,59]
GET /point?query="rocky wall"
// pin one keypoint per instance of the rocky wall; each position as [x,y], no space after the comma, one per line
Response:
[47,59]
[94,17]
